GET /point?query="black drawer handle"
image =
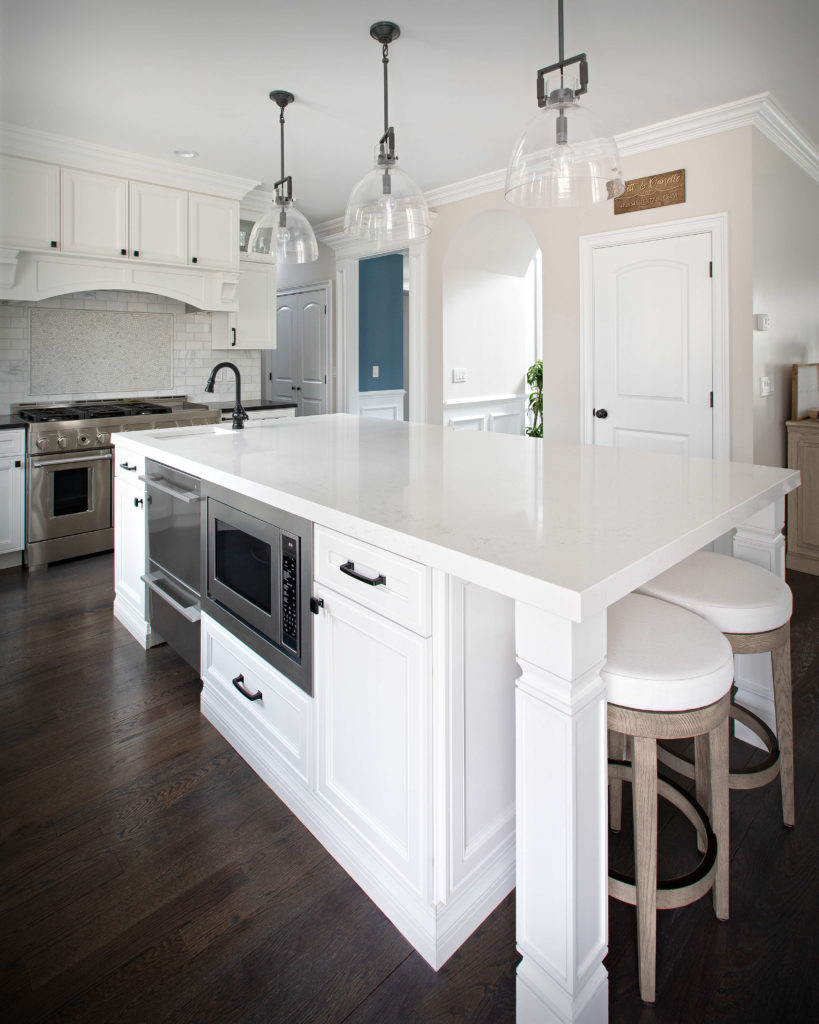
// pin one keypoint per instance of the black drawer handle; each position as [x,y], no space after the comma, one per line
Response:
[233,332]
[136,252]
[124,465]
[237,682]
[123,252]
[349,570]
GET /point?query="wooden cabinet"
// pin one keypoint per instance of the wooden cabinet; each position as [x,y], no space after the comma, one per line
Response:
[158,223]
[43,206]
[374,741]
[12,496]
[93,213]
[214,232]
[29,204]
[803,503]
[254,326]
[130,606]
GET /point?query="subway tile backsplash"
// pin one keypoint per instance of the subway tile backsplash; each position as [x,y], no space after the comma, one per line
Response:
[77,372]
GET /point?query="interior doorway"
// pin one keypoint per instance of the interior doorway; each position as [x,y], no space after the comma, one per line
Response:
[296,370]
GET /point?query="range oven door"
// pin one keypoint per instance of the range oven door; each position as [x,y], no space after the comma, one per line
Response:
[68,494]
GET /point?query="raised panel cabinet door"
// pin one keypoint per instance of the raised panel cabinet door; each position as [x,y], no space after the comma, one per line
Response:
[159,223]
[372,696]
[129,543]
[29,204]
[214,232]
[94,213]
[11,505]
[256,320]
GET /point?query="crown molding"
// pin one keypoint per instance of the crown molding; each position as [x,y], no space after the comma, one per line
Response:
[58,149]
[760,111]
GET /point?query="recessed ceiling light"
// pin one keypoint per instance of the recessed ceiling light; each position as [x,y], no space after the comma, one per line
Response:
[186,154]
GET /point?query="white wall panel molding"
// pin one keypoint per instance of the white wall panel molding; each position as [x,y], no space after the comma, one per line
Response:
[58,149]
[384,405]
[500,414]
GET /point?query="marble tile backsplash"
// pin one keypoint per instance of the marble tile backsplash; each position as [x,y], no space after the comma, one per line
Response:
[22,368]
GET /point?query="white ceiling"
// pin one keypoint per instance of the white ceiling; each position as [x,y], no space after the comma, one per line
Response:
[151,76]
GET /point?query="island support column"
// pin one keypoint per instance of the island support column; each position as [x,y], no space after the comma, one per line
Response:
[562,835]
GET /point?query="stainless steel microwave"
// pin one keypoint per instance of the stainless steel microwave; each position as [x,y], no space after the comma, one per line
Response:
[257,574]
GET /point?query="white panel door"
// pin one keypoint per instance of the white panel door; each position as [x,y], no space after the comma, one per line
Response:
[283,361]
[214,231]
[29,203]
[11,505]
[653,346]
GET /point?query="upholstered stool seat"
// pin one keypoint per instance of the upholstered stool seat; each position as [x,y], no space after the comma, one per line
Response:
[668,675]
[752,607]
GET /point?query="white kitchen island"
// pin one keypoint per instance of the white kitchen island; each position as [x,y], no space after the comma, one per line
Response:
[561,531]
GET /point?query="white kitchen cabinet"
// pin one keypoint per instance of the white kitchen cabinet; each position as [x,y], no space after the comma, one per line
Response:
[29,204]
[158,223]
[214,232]
[12,496]
[130,605]
[93,213]
[254,326]
[373,696]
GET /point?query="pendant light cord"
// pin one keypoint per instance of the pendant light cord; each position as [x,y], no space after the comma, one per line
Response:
[385,59]
[281,123]
[560,37]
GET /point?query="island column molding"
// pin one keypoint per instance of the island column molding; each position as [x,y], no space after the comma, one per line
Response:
[562,858]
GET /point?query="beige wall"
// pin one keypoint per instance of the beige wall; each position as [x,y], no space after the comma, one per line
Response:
[718,179]
[785,286]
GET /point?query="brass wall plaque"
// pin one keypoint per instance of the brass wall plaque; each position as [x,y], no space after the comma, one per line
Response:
[655,190]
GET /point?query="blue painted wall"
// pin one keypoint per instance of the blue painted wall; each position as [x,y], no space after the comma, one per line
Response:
[381,322]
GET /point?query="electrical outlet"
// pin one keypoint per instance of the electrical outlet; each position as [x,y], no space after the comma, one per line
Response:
[459,375]
[375,371]
[762,322]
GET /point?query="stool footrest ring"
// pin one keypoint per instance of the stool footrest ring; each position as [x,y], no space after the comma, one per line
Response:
[685,889]
[755,775]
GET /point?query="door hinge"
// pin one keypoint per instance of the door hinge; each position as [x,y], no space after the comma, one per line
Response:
[711,268]
[712,399]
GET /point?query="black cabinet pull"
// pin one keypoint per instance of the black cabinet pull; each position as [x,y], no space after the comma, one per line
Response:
[137,502]
[136,252]
[124,465]
[123,252]
[315,604]
[233,332]
[194,259]
[348,568]
[53,245]
[237,682]
[17,464]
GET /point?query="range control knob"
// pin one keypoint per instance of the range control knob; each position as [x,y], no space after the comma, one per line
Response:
[102,437]
[62,441]
[84,440]
[42,442]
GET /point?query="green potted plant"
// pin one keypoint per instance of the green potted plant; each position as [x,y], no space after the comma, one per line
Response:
[534,378]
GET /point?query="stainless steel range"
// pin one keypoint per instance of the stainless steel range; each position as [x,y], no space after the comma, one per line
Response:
[69,476]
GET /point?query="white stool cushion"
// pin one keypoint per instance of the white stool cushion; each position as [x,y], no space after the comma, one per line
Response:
[664,658]
[735,596]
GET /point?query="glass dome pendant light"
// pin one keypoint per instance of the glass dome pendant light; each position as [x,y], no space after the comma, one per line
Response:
[284,234]
[562,158]
[386,207]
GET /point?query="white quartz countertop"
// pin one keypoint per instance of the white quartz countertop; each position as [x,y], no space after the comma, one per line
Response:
[569,528]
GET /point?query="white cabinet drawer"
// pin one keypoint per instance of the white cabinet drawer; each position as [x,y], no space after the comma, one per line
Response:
[129,463]
[283,713]
[402,592]
[12,442]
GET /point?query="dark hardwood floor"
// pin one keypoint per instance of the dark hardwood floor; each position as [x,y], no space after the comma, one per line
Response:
[148,875]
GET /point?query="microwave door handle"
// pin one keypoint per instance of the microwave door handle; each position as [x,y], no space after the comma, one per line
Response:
[189,497]
[66,462]
[192,612]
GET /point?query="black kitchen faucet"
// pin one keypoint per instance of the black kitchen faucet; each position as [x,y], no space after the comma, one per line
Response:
[239,414]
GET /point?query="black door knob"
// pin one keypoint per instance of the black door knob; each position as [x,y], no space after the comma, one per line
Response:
[601,414]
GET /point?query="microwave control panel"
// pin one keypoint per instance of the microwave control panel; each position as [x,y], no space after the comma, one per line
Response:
[290,592]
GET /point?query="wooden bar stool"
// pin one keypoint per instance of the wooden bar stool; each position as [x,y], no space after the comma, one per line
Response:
[668,675]
[752,607]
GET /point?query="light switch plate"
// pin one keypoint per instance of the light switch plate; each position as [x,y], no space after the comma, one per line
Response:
[459,375]
[765,386]
[762,322]
[375,371]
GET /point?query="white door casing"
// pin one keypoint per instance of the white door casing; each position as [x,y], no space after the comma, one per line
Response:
[655,338]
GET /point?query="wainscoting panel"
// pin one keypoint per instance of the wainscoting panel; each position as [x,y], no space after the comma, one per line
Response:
[383,405]
[498,414]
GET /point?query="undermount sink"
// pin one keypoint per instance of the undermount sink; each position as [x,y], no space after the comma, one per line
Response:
[172,433]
